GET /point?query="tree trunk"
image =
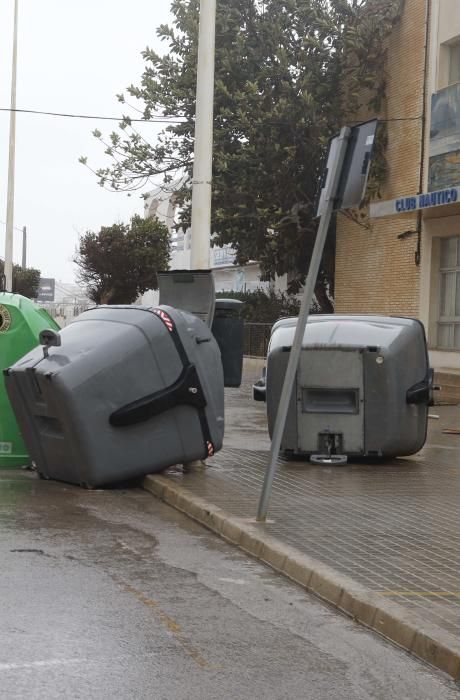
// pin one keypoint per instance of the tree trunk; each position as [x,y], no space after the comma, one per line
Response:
[106,297]
[325,303]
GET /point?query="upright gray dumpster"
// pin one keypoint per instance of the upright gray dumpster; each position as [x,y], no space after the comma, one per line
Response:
[362,389]
[125,391]
[228,329]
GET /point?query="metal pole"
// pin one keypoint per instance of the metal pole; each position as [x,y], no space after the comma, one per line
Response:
[24,247]
[294,355]
[202,165]
[11,162]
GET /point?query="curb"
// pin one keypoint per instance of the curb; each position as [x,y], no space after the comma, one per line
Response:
[390,620]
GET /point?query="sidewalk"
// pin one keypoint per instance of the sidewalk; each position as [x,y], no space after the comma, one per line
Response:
[381,542]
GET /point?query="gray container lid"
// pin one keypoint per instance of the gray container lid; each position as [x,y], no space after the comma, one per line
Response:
[347,330]
[189,290]
[229,304]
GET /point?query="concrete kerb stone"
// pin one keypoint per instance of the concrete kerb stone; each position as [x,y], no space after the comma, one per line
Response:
[438,652]
[271,555]
[197,508]
[359,604]
[429,643]
[232,530]
[329,588]
[277,557]
[298,567]
[393,625]
[155,486]
[251,542]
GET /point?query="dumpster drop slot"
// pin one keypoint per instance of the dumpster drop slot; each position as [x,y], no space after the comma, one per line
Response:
[330,400]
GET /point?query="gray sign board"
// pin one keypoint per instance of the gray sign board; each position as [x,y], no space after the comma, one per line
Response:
[355,171]
[46,289]
[326,190]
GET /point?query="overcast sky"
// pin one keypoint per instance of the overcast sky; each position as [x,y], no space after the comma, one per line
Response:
[73,56]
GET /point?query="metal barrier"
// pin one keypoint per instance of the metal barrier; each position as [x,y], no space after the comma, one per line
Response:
[256,339]
[64,313]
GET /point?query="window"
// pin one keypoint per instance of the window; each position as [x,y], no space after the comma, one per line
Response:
[454,63]
[449,311]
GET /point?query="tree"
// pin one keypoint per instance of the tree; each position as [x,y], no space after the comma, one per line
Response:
[26,281]
[120,262]
[288,74]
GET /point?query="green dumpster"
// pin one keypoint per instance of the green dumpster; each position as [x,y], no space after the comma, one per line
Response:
[21,321]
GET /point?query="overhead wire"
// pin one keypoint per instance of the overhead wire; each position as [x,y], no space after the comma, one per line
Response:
[156,120]
[16,228]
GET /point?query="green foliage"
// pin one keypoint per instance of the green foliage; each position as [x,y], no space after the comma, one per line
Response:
[25,281]
[262,306]
[121,261]
[288,76]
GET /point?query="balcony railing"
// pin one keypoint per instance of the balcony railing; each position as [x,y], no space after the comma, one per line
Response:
[222,256]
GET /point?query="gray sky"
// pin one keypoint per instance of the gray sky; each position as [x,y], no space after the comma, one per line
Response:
[73,56]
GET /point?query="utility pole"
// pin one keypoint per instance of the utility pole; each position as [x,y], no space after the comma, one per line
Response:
[24,247]
[11,161]
[202,164]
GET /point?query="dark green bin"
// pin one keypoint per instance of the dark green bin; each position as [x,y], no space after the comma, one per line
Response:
[228,330]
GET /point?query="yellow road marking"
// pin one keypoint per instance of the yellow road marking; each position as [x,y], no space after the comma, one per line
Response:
[421,594]
[171,625]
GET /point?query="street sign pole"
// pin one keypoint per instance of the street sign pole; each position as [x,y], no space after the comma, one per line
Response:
[11,162]
[334,166]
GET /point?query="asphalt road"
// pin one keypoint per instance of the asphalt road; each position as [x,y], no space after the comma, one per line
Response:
[111,594]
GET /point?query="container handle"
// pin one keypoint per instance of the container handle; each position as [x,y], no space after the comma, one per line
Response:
[186,390]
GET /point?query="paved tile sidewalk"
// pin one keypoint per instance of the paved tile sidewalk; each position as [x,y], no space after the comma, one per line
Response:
[393,528]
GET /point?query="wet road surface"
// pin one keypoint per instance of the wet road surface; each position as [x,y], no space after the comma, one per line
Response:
[111,594]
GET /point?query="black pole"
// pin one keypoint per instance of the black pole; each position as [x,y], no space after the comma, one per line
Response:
[24,247]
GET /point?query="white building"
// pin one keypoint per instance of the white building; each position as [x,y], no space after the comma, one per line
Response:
[69,293]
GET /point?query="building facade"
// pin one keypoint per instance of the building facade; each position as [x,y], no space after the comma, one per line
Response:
[406,259]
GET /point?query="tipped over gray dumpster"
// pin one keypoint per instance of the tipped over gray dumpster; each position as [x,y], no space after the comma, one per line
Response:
[362,388]
[121,392]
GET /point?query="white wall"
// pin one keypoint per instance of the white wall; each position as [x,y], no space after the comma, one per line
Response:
[433,231]
[449,20]
[445,28]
